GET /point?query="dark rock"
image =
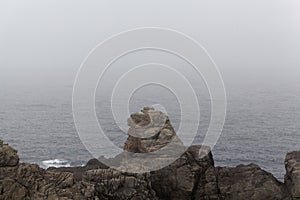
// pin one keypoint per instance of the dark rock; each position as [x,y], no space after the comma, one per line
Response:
[96,163]
[249,182]
[184,178]
[93,162]
[191,176]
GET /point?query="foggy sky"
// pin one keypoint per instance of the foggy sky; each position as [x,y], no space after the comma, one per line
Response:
[46,41]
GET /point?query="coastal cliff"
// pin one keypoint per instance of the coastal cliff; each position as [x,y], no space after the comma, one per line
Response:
[191,176]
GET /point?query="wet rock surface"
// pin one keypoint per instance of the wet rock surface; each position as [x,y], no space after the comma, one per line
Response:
[191,176]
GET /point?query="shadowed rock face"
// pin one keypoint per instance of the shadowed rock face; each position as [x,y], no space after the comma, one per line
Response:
[191,176]
[249,182]
[187,177]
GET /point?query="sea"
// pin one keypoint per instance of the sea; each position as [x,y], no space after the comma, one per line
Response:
[261,126]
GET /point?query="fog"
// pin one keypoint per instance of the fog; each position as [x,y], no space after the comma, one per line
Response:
[44,42]
[255,45]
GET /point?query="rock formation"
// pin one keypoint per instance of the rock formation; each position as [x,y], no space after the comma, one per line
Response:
[249,182]
[292,177]
[8,156]
[191,176]
[149,131]
[29,181]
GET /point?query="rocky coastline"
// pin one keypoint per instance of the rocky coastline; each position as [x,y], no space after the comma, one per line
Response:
[191,176]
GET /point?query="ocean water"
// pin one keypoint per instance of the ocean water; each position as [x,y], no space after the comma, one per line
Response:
[262,124]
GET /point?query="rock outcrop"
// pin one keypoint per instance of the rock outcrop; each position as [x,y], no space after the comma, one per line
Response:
[249,182]
[149,131]
[189,177]
[192,175]
[29,181]
[292,177]
[8,156]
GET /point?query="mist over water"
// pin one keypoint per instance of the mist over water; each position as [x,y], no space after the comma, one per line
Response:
[255,44]
[262,123]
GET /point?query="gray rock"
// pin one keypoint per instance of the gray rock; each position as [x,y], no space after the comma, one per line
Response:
[292,177]
[8,156]
[149,131]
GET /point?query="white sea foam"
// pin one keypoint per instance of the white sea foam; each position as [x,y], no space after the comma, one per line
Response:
[55,163]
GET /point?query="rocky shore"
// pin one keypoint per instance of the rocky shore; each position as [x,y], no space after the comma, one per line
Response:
[192,175]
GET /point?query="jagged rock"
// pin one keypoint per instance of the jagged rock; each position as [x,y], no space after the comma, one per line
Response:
[8,156]
[292,177]
[191,176]
[28,174]
[149,131]
[249,182]
[183,178]
[10,189]
[208,187]
[112,184]
[152,142]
